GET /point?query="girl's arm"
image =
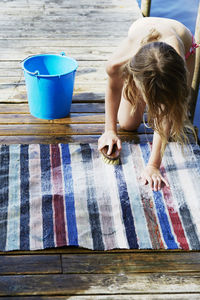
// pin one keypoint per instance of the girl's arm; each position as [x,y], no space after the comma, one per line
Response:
[112,101]
[152,173]
[113,93]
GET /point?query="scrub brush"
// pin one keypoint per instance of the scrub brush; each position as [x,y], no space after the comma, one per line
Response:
[113,158]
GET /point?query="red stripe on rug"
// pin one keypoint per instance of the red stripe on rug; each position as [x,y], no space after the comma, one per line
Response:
[58,198]
[174,216]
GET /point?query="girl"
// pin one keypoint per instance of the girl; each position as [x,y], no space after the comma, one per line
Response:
[153,67]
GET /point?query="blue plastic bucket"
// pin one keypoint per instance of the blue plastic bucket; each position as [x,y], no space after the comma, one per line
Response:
[49,82]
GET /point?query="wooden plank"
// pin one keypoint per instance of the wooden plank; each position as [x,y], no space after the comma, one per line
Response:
[75,108]
[176,296]
[62,129]
[73,118]
[67,5]
[55,42]
[94,284]
[15,92]
[53,14]
[86,97]
[128,263]
[84,67]
[135,138]
[85,4]
[12,76]
[51,32]
[14,65]
[30,27]
[30,264]
[12,82]
[79,53]
[104,263]
[21,98]
[30,139]
[99,19]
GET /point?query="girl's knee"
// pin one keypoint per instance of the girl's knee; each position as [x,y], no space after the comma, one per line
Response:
[128,126]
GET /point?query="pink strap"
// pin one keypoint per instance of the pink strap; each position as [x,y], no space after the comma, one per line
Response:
[192,49]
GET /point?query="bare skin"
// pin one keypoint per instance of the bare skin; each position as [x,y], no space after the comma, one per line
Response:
[118,109]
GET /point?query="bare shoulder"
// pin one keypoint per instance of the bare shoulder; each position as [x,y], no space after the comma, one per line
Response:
[120,57]
[165,26]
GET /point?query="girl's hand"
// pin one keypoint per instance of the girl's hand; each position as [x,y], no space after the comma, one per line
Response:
[109,138]
[153,176]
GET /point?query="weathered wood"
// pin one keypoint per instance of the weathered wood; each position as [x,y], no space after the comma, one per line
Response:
[84,79]
[69,284]
[14,69]
[30,264]
[145,7]
[104,263]
[62,129]
[80,79]
[27,139]
[79,53]
[15,92]
[128,263]
[73,118]
[75,42]
[189,296]
[75,108]
[30,139]
[21,97]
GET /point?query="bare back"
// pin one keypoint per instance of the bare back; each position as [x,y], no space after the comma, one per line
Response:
[170,31]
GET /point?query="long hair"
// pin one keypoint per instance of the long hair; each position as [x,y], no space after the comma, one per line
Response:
[158,74]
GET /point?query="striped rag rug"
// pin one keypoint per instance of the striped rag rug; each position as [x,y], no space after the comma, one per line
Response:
[65,195]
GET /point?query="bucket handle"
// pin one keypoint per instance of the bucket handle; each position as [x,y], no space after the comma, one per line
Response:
[36,73]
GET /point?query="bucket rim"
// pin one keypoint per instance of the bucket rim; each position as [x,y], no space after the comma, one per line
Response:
[36,73]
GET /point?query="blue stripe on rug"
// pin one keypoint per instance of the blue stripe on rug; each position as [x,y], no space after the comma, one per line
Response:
[24,192]
[4,191]
[93,209]
[133,188]
[46,188]
[196,150]
[195,162]
[126,208]
[160,207]
[69,196]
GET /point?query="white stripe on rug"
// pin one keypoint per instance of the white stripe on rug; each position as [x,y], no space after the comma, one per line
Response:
[13,221]
[116,206]
[36,221]
[80,198]
[104,201]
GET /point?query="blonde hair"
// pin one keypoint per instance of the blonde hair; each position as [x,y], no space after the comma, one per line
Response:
[158,74]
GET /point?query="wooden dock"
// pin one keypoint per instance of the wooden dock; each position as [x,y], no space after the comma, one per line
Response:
[88,31]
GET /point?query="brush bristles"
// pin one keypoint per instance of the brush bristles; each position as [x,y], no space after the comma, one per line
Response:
[110,161]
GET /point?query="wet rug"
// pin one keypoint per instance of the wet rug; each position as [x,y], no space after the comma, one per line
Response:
[65,195]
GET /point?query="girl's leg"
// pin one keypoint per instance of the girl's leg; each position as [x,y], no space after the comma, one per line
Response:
[126,120]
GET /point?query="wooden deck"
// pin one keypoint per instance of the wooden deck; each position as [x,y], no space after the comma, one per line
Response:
[89,31]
